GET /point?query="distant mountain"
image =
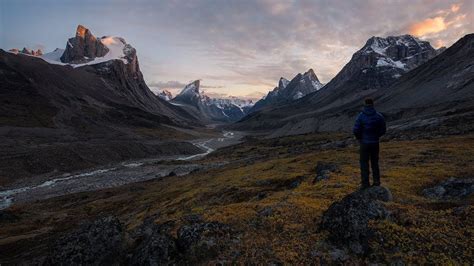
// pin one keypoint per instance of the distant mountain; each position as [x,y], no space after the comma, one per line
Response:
[104,104]
[287,91]
[378,69]
[27,51]
[383,60]
[209,109]
[165,95]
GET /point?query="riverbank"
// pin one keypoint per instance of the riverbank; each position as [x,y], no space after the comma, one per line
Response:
[118,174]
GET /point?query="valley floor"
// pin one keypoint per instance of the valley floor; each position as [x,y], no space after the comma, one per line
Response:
[268,195]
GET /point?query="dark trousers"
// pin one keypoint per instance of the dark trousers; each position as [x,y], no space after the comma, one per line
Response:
[369,152]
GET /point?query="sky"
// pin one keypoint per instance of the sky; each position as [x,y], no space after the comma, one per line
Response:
[235,47]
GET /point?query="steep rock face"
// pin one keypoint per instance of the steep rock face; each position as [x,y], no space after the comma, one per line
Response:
[288,91]
[209,109]
[83,47]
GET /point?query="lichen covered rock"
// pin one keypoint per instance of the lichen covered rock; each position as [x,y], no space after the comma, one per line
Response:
[347,220]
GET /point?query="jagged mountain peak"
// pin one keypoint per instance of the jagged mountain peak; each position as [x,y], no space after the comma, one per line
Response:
[282,83]
[191,88]
[83,47]
[404,52]
[310,73]
[83,32]
[287,91]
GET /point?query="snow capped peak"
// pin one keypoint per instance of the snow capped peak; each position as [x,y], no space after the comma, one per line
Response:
[86,49]
[191,88]
[402,52]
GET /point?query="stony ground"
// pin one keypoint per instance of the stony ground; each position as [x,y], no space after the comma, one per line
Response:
[266,206]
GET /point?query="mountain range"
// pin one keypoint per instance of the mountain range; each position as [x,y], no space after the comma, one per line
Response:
[211,110]
[379,69]
[288,91]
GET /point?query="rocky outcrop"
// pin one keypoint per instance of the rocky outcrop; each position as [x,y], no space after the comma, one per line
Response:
[83,47]
[197,241]
[202,241]
[347,220]
[155,245]
[27,51]
[451,189]
[94,243]
[105,242]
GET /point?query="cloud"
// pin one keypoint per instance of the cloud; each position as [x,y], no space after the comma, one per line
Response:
[173,84]
[427,26]
[455,7]
[244,46]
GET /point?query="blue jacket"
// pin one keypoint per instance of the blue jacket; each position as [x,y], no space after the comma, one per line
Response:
[369,126]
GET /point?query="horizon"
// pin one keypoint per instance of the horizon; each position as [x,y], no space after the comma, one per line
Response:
[178,42]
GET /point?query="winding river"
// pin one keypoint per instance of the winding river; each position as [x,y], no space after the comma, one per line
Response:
[120,174]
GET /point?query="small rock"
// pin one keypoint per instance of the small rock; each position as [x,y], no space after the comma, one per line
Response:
[172,173]
[451,189]
[338,255]
[267,211]
[261,195]
[324,170]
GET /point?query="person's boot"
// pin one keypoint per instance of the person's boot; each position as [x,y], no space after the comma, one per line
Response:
[364,186]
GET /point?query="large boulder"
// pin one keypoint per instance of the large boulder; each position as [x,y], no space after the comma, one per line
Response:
[197,241]
[202,241]
[451,189]
[100,242]
[347,220]
[156,246]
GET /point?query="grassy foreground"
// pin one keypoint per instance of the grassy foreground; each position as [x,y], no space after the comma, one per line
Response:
[267,193]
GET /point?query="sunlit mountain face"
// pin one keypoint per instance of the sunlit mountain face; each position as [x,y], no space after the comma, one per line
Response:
[236,48]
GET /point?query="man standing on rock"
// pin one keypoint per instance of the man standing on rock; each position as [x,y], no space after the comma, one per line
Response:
[369,127]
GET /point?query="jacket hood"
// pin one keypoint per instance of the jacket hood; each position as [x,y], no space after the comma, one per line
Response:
[369,110]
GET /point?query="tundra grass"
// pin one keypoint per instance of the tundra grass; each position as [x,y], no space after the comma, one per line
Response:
[275,220]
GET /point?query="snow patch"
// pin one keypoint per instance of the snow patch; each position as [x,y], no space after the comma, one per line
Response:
[383,62]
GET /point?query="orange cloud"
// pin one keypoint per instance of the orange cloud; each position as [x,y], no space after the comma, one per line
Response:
[439,43]
[427,26]
[455,8]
